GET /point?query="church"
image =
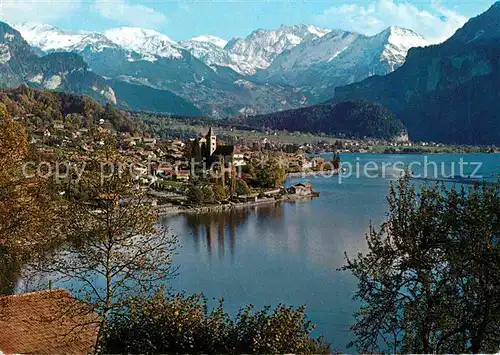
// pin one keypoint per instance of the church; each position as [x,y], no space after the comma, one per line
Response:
[211,152]
[208,144]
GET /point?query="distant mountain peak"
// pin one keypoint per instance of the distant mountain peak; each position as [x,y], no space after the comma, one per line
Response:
[262,46]
[320,32]
[399,30]
[49,38]
[447,92]
[219,42]
[341,57]
[149,43]
[138,31]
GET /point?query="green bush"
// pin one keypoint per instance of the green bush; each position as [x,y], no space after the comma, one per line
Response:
[208,194]
[219,193]
[195,195]
[180,324]
[272,174]
[242,188]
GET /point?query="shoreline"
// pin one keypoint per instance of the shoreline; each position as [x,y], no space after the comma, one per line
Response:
[176,210]
[312,173]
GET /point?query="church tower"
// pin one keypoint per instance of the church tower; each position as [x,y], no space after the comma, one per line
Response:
[211,142]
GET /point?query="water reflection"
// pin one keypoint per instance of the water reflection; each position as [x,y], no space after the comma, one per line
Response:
[218,229]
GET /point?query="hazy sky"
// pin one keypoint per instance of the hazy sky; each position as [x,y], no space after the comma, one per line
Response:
[436,19]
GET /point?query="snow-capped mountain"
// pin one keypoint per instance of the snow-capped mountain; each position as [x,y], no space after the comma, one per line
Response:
[256,51]
[51,39]
[341,58]
[148,43]
[58,71]
[284,53]
[213,55]
[447,92]
[245,56]
[219,42]
[261,47]
[69,72]
[398,42]
[304,55]
[149,58]
[269,70]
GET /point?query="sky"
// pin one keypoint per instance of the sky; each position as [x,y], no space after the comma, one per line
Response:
[183,19]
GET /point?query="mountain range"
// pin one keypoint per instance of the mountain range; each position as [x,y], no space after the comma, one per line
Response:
[268,71]
[448,92]
[67,71]
[340,58]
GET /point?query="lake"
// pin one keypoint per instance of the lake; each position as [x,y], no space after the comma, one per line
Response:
[290,253]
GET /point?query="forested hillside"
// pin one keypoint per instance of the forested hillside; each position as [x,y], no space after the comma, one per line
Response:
[48,106]
[350,118]
[139,97]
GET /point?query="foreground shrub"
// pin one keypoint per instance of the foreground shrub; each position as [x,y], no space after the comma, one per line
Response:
[176,323]
[429,282]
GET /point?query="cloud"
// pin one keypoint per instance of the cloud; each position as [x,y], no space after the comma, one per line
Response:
[129,14]
[41,11]
[437,23]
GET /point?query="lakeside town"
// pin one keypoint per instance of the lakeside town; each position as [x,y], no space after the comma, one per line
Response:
[240,177]
[204,173]
[192,174]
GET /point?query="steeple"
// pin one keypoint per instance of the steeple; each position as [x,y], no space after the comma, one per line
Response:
[211,142]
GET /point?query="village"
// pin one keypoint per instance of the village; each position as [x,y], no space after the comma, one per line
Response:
[195,174]
[203,172]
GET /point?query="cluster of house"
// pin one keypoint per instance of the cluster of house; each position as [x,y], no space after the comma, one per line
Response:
[298,163]
[179,162]
[154,160]
[211,152]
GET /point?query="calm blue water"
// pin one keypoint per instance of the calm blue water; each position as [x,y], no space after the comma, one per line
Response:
[290,253]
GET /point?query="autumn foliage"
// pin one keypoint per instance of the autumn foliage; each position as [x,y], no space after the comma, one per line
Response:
[180,324]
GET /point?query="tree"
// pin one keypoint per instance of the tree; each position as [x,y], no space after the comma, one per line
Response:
[118,119]
[272,173]
[195,195]
[114,247]
[208,194]
[180,324]
[429,282]
[192,151]
[29,210]
[219,193]
[242,188]
[4,114]
[335,161]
